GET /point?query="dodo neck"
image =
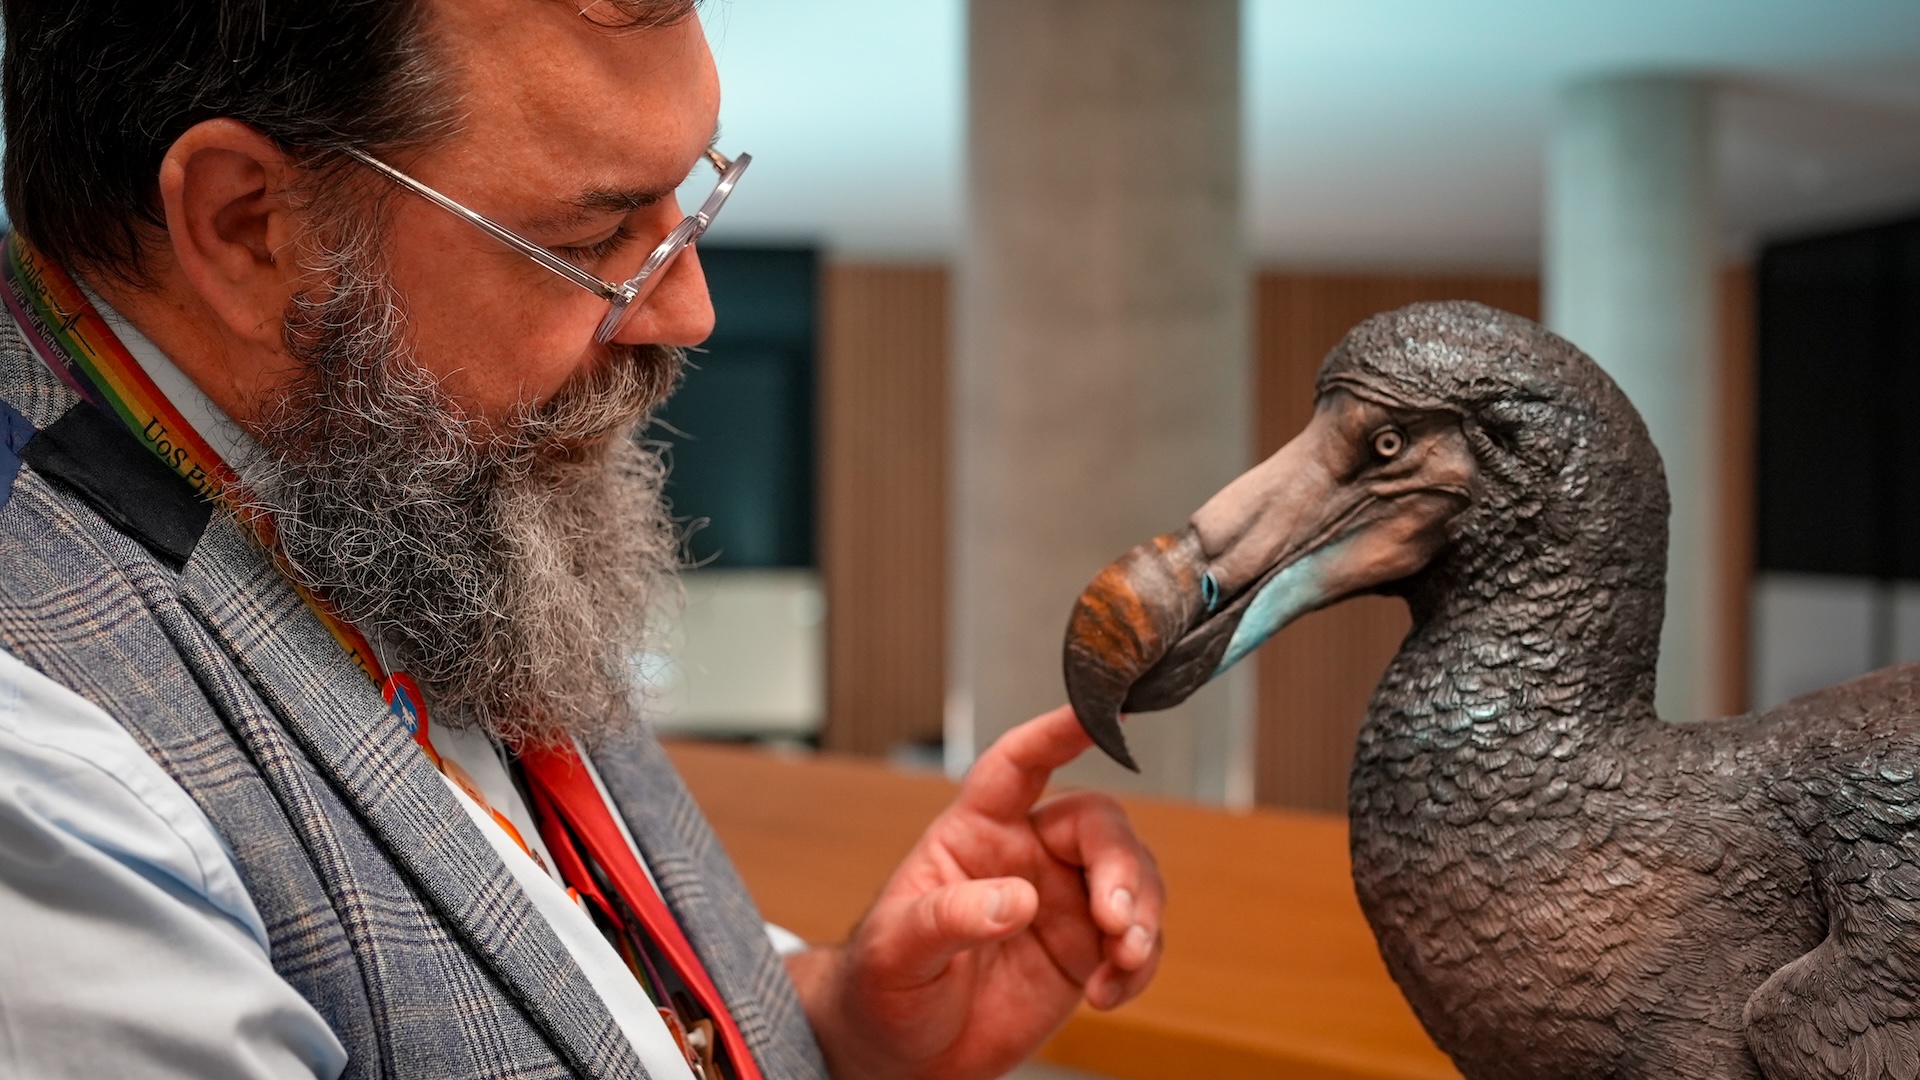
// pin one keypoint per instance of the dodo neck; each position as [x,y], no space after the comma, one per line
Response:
[1545,617]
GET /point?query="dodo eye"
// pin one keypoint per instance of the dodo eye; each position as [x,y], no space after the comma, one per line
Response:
[1388,442]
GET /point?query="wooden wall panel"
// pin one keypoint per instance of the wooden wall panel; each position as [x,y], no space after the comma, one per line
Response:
[1315,676]
[883,401]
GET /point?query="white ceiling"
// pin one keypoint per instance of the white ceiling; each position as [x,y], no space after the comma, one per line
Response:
[1378,132]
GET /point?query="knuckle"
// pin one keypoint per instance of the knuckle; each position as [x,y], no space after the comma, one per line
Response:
[934,916]
[1055,806]
[948,912]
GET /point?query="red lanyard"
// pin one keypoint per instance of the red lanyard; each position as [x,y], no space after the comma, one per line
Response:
[580,830]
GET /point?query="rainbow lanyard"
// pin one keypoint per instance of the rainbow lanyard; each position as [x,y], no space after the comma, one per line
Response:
[74,340]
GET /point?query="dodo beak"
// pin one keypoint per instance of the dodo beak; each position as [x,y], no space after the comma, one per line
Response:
[1320,520]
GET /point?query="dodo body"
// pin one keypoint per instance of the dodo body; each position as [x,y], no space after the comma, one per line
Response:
[1563,897]
[1561,883]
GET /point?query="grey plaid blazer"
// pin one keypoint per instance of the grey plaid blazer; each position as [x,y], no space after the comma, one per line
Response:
[385,906]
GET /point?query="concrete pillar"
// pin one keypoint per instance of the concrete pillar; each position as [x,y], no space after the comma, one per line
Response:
[1631,279]
[1102,388]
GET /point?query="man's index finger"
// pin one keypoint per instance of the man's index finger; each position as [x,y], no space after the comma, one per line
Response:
[1012,774]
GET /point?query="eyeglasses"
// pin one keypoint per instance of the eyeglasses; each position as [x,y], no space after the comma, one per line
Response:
[623,299]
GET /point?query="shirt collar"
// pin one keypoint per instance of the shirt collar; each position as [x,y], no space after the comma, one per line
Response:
[211,422]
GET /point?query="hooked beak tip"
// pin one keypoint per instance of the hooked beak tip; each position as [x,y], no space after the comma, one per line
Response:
[1104,729]
[1097,687]
[1122,624]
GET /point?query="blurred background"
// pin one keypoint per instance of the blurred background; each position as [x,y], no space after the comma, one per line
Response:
[1015,284]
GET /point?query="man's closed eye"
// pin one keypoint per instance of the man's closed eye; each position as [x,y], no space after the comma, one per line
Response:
[597,251]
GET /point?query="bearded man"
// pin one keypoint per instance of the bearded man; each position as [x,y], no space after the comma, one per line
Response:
[325,544]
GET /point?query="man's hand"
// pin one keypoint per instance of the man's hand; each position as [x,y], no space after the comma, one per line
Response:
[1001,919]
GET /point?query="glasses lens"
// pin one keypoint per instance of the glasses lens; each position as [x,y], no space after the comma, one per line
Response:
[642,284]
[639,288]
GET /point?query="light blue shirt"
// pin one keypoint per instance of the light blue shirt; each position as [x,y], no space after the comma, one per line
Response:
[128,945]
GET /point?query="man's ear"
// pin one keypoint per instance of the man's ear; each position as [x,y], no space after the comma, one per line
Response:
[227,192]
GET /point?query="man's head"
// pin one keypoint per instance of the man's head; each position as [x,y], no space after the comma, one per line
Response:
[447,454]
[176,147]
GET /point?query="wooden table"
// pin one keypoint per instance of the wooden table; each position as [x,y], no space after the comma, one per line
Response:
[1270,970]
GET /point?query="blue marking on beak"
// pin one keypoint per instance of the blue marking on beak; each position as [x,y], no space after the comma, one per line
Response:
[1291,593]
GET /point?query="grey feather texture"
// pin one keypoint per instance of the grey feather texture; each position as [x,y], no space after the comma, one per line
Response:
[1563,884]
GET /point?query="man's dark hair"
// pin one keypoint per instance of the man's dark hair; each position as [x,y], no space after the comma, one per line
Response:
[95,91]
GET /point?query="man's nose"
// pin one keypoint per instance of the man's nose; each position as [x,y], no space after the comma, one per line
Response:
[678,312]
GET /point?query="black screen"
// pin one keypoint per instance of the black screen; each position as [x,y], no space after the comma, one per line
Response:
[741,427]
[1839,403]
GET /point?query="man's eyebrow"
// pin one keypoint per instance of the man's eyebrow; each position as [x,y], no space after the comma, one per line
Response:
[600,202]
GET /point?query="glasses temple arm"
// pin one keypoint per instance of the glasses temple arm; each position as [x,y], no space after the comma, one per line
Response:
[591,282]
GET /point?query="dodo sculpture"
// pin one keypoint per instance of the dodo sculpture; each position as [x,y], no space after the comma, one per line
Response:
[1562,884]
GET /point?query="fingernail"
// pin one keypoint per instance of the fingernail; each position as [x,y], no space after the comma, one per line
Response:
[1138,941]
[996,905]
[1122,903]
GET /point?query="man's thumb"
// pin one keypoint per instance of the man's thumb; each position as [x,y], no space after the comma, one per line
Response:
[936,927]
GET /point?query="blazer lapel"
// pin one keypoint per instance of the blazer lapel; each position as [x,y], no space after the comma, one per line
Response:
[340,720]
[712,905]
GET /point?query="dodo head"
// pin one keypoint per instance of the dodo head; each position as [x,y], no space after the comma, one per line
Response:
[1446,439]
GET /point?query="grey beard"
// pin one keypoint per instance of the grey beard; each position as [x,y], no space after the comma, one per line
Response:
[512,568]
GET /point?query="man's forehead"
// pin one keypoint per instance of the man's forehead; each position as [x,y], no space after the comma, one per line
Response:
[617,116]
